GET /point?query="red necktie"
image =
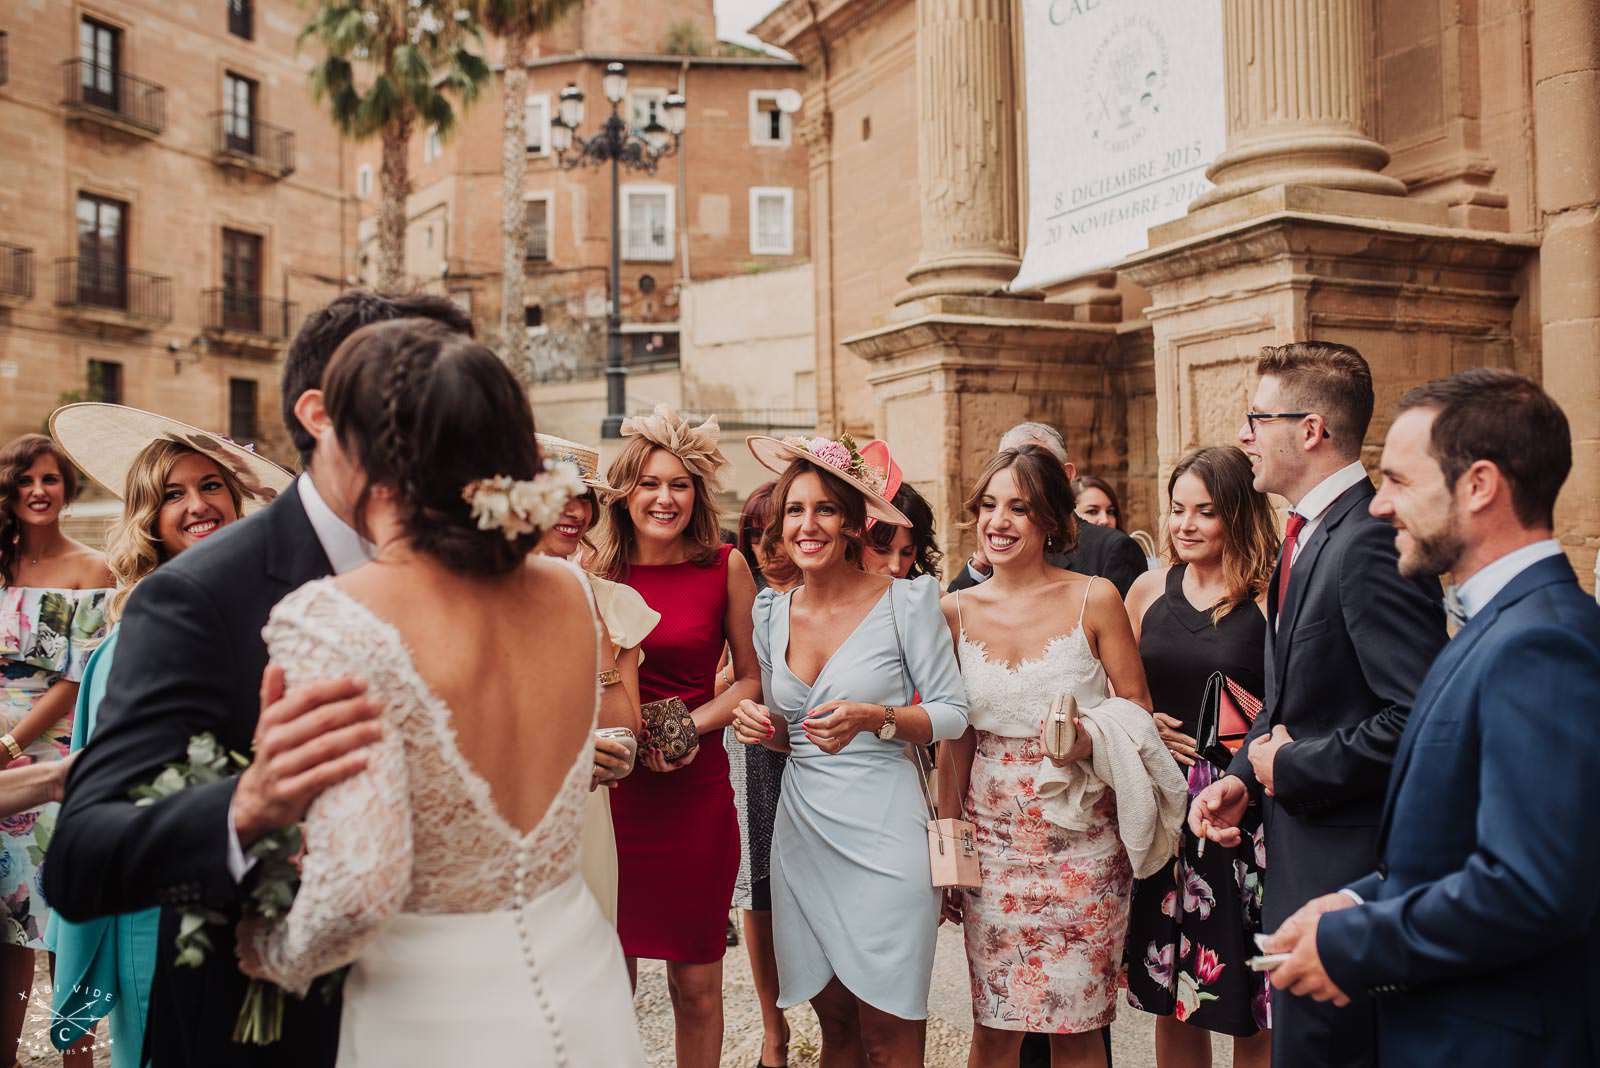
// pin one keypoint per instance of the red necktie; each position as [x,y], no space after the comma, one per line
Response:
[1291,535]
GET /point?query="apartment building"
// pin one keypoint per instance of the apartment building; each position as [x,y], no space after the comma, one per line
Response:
[171,205]
[732,201]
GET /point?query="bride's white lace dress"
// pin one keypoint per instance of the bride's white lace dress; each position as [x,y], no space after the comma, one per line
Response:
[471,941]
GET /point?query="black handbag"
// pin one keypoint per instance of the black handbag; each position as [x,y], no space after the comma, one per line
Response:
[1227,712]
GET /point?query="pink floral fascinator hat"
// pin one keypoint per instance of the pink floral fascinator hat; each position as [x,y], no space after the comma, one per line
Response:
[838,457]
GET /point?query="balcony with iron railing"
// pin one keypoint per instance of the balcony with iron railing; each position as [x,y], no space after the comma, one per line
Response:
[248,322]
[112,294]
[110,97]
[248,143]
[16,274]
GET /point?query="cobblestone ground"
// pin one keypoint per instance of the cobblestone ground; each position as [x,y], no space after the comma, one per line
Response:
[949,1024]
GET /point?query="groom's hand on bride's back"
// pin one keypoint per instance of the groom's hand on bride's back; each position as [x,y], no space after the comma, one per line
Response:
[307,739]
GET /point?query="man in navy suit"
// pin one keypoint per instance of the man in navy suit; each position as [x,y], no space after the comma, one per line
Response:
[1478,934]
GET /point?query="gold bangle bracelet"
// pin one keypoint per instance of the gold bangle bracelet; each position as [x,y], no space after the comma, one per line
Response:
[11,746]
[610,677]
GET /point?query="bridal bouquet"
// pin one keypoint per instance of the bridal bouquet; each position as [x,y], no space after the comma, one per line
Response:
[260,1019]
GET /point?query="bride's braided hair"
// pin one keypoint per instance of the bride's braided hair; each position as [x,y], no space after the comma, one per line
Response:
[427,410]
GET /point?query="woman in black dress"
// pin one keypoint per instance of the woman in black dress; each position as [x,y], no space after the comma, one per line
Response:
[1191,927]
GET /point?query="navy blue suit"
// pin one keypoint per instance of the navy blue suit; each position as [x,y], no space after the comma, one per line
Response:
[1480,941]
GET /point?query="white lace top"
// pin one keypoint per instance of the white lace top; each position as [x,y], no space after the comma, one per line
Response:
[1011,701]
[417,830]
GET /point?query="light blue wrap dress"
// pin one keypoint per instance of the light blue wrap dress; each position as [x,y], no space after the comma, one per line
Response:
[852,894]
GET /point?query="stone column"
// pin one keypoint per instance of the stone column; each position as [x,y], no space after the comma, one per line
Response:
[1566,84]
[1299,97]
[967,139]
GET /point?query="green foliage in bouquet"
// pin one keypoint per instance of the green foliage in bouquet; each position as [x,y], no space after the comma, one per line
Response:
[277,880]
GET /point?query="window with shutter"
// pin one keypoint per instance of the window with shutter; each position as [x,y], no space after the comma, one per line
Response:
[771,221]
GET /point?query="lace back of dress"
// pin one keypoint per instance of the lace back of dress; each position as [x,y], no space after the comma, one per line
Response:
[467,857]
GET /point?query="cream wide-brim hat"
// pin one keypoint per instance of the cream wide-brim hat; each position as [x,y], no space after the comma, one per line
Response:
[104,440]
[776,454]
[579,455]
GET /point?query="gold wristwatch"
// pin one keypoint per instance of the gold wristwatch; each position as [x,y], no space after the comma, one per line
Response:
[886,732]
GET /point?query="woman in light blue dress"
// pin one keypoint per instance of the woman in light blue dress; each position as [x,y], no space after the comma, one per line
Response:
[843,658]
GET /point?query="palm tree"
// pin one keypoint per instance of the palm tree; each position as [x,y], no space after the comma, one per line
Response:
[515,21]
[415,55]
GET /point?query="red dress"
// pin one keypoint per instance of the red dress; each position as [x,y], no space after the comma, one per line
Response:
[677,834]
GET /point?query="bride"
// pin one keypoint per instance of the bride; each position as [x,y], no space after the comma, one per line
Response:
[447,870]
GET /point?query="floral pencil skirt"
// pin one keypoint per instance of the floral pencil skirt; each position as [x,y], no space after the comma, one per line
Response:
[1045,930]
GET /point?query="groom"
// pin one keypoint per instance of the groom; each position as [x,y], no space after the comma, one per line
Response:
[190,660]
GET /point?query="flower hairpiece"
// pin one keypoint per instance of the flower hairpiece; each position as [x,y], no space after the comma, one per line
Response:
[523,506]
[696,447]
[842,455]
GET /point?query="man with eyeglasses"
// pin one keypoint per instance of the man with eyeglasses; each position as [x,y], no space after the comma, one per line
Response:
[1348,643]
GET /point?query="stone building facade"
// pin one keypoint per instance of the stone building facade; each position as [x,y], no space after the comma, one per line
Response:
[1418,178]
[732,201]
[172,202]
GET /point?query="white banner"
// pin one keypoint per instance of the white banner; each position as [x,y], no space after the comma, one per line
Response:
[1125,112]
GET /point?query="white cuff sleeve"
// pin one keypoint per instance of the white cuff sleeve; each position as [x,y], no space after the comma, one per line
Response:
[975,574]
[239,865]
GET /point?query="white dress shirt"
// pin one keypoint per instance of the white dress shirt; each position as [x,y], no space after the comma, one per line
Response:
[1316,503]
[346,550]
[1481,588]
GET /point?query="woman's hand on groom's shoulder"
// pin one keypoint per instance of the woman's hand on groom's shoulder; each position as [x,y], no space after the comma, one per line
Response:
[307,739]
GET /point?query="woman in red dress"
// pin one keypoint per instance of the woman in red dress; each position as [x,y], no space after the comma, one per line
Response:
[677,834]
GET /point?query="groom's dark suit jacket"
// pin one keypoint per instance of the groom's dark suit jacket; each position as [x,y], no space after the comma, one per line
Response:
[189,659]
[1346,653]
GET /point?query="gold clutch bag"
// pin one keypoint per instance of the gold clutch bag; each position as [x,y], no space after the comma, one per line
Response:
[669,729]
[1060,732]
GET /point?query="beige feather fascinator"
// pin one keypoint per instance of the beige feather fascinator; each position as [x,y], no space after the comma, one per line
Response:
[695,446]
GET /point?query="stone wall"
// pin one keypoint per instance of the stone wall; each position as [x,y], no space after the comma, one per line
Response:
[179,200]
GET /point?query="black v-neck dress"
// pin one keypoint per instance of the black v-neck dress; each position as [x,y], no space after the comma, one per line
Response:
[1190,927]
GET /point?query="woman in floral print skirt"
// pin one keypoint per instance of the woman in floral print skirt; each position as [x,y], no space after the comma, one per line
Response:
[1045,928]
[1192,925]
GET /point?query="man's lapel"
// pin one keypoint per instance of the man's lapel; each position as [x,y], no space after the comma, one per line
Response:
[294,554]
[1453,657]
[1434,683]
[1305,565]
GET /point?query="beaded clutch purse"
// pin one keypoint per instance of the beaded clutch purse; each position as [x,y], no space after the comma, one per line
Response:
[669,729]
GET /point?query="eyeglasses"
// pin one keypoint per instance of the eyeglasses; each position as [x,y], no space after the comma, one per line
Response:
[1262,417]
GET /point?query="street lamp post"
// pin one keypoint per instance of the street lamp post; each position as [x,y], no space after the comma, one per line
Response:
[615,144]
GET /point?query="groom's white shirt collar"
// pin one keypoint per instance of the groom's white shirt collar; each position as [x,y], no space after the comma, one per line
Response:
[345,549]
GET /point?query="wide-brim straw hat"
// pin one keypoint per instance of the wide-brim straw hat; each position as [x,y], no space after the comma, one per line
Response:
[104,440]
[581,456]
[840,459]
